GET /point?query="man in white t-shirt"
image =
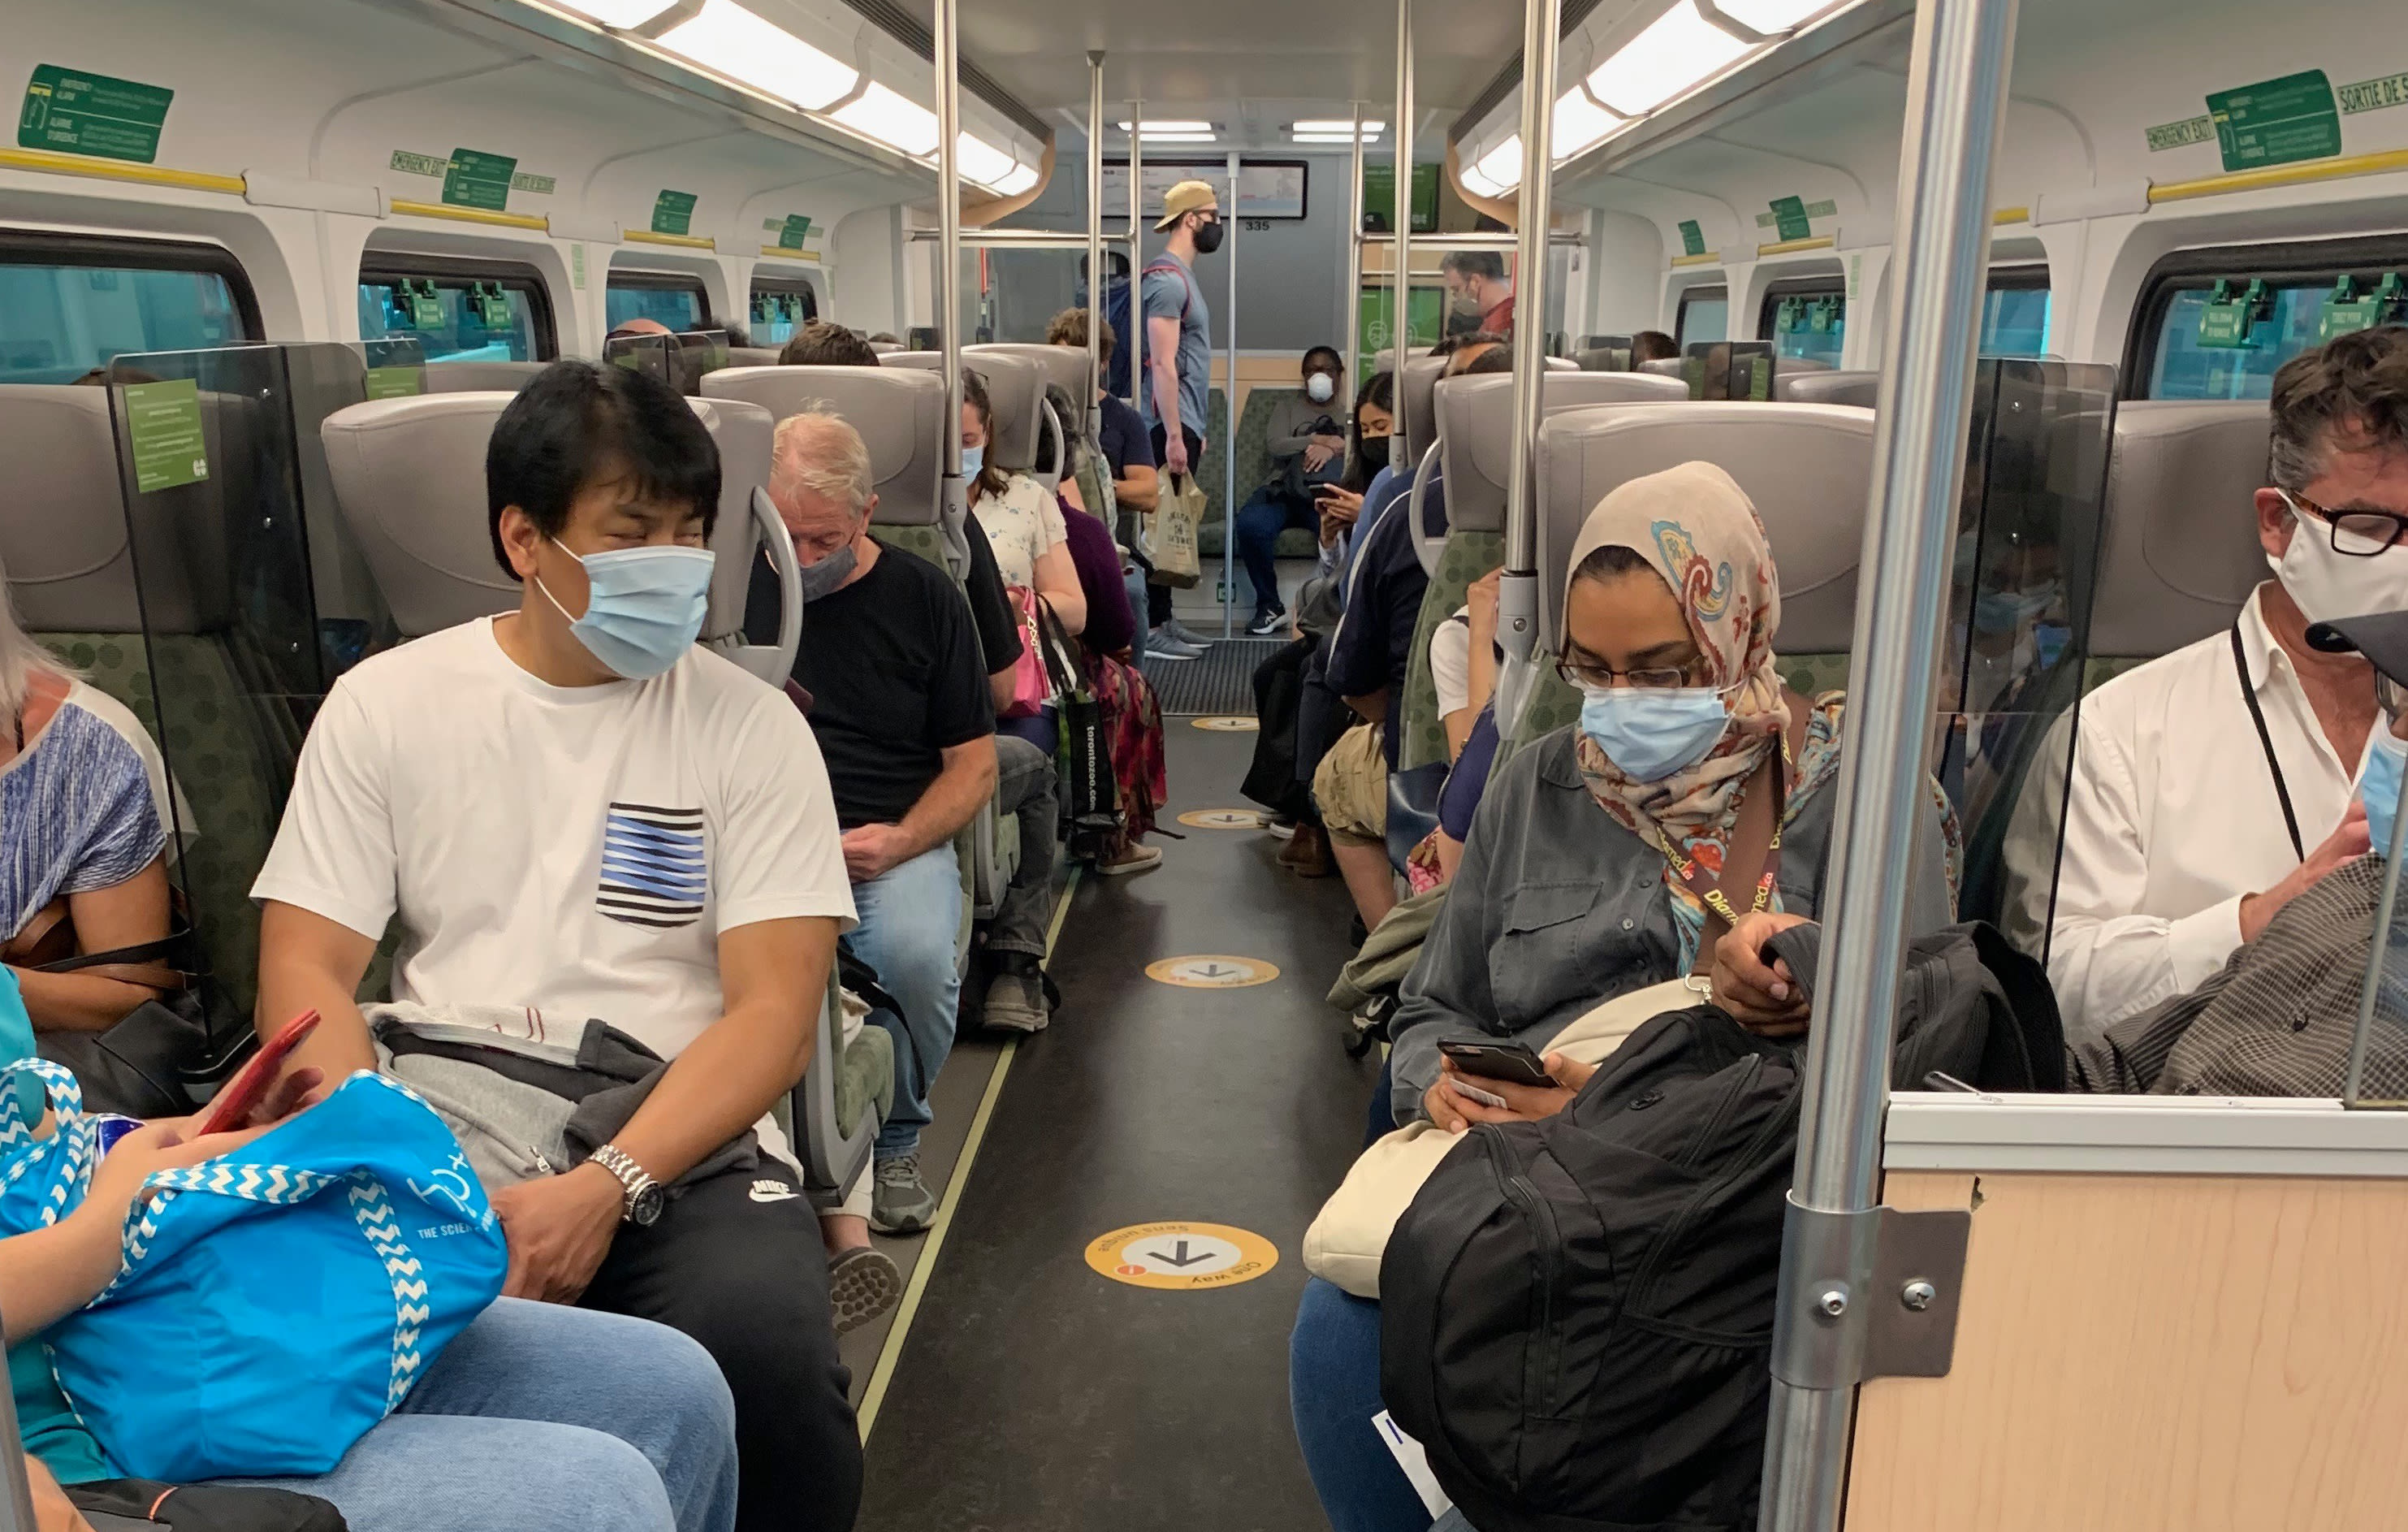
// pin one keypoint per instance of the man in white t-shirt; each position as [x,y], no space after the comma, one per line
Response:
[572,810]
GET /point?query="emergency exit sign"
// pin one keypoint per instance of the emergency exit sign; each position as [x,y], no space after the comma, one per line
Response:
[76,113]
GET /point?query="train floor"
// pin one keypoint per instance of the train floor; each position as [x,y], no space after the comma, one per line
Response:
[1018,1387]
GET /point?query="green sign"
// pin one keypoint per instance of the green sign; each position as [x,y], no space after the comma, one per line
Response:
[2191,129]
[492,304]
[576,266]
[2277,122]
[1374,331]
[1380,196]
[79,113]
[1693,238]
[419,165]
[479,181]
[1789,219]
[1825,209]
[395,383]
[673,212]
[2347,310]
[1760,377]
[2226,321]
[789,230]
[163,423]
[2374,95]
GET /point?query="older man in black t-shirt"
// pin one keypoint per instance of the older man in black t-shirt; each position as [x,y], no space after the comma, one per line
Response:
[902,708]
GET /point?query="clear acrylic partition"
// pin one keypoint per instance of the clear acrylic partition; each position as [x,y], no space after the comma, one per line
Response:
[2012,678]
[698,353]
[2377,1071]
[654,354]
[1729,369]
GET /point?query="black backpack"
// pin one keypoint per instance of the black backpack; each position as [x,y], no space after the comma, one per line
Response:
[1576,1315]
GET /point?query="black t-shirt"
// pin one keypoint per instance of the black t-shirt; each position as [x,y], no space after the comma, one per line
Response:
[891,664]
[998,626]
[1125,441]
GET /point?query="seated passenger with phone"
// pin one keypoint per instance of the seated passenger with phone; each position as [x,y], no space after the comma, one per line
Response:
[574,813]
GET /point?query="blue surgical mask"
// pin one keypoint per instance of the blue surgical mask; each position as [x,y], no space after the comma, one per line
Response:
[2378,787]
[973,459]
[643,609]
[1651,732]
[2004,611]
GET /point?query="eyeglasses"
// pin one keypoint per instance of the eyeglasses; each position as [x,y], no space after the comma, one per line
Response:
[2360,534]
[1596,678]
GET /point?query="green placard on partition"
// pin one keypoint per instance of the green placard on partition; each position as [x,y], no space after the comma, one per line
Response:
[395,383]
[79,113]
[542,186]
[2277,122]
[481,181]
[162,426]
[673,212]
[1693,238]
[1789,219]
[1380,197]
[1373,330]
[411,164]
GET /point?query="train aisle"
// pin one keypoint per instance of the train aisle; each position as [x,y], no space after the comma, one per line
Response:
[1033,1390]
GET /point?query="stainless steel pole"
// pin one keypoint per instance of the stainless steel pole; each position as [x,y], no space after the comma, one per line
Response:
[1955,102]
[1401,323]
[1135,339]
[1354,257]
[1096,274]
[949,276]
[17,1503]
[1517,594]
[1229,221]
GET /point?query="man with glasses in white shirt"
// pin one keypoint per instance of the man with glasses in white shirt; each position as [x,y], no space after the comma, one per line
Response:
[2214,785]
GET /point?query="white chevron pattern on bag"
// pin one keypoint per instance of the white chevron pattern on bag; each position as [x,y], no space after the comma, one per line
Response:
[373,1211]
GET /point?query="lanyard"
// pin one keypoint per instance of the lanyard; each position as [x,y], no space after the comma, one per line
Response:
[2266,742]
[1711,894]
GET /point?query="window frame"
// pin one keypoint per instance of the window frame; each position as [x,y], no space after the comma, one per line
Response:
[665,281]
[1699,292]
[383,267]
[759,284]
[133,252]
[2276,262]
[1828,285]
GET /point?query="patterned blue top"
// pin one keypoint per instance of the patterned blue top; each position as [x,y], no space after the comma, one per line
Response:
[76,814]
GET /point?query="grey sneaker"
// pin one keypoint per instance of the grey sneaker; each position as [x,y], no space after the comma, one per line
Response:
[1015,1000]
[899,1201]
[1164,647]
[1183,634]
[863,1285]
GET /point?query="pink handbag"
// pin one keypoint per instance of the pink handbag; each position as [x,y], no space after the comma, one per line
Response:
[1031,687]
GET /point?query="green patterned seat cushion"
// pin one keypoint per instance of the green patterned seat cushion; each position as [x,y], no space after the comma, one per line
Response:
[2097,673]
[1254,453]
[1209,473]
[1811,675]
[867,1081]
[1422,737]
[926,541]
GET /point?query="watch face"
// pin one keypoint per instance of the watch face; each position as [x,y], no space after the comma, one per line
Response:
[645,1206]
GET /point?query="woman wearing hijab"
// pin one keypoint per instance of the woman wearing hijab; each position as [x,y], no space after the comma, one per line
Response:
[1695,793]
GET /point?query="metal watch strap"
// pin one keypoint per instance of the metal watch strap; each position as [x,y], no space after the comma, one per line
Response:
[633,1179]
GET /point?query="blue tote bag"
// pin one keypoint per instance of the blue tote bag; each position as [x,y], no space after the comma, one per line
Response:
[277,1302]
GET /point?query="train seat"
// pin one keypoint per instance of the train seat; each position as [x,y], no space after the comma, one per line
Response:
[1070,367]
[752,356]
[479,377]
[1832,387]
[1252,445]
[2181,553]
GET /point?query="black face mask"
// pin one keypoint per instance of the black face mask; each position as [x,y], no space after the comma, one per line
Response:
[1207,237]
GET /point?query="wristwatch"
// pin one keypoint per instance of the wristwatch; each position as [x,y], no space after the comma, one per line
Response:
[644,1197]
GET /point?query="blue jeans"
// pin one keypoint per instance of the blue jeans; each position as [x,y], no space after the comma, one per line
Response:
[910,918]
[1333,1386]
[540,1418]
[1265,515]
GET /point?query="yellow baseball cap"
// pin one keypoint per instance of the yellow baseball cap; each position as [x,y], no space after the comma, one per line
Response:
[1184,198]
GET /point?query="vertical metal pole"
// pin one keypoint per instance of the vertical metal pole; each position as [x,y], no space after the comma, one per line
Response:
[1956,103]
[1229,441]
[1096,271]
[1400,317]
[17,1504]
[1135,340]
[1517,594]
[1354,257]
[949,275]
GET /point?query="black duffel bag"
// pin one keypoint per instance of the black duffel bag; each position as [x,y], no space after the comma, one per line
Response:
[167,1056]
[140,1505]
[1576,1314]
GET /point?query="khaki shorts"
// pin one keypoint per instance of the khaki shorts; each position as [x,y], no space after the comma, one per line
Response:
[1351,788]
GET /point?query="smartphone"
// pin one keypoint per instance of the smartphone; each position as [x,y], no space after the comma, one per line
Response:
[244,1091]
[1506,1061]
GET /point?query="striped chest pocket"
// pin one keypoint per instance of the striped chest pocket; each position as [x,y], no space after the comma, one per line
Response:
[655,870]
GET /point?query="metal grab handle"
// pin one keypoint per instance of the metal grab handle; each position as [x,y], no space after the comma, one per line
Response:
[1427,548]
[789,584]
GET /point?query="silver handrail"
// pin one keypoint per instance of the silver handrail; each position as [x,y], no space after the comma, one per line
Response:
[1096,274]
[1353,306]
[1517,592]
[947,38]
[1401,325]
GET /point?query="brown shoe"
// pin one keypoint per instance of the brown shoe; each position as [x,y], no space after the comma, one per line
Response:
[1307,852]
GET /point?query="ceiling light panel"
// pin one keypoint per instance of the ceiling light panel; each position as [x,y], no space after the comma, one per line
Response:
[622,14]
[726,38]
[898,124]
[1153,125]
[1681,50]
[1021,178]
[981,162]
[1339,126]
[1579,123]
[1500,169]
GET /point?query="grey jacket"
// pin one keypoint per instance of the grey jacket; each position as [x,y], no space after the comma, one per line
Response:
[1557,908]
[1293,423]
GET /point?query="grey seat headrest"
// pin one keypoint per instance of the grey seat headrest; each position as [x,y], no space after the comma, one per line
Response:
[478,377]
[1833,387]
[900,413]
[1663,367]
[1807,467]
[410,479]
[1417,406]
[1070,366]
[1013,386]
[2181,550]
[1475,431]
[64,524]
[752,356]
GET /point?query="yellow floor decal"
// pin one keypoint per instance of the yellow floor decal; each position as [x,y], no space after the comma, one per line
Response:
[1211,971]
[1182,1257]
[1222,819]
[1226,723]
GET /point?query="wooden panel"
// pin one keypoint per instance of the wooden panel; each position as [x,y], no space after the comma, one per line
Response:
[2154,1353]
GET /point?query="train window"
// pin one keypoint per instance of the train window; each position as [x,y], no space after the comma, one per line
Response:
[2218,324]
[69,304]
[1704,315]
[1806,319]
[2014,312]
[459,311]
[678,302]
[781,306]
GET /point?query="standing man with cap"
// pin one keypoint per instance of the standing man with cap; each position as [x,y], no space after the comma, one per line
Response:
[1179,350]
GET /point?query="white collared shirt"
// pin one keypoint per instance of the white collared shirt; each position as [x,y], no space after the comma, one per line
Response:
[2172,818]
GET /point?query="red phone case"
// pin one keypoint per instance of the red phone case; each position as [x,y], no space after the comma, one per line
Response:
[245,1090]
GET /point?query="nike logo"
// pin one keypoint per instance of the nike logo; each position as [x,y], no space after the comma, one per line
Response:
[773,1190]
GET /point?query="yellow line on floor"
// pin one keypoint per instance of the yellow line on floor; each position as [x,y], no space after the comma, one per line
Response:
[924,1268]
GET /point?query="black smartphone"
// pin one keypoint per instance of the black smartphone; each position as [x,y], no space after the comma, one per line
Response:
[1506,1061]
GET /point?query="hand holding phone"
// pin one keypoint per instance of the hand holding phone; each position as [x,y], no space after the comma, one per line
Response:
[243,1093]
[1510,1062]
